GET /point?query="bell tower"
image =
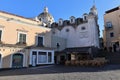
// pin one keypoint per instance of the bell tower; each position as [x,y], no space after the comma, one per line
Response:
[93,10]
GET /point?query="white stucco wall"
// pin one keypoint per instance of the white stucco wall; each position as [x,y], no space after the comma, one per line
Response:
[93,31]
[61,41]
[76,37]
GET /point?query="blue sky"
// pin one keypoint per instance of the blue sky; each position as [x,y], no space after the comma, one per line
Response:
[58,8]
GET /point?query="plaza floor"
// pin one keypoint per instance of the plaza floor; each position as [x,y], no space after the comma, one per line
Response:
[58,72]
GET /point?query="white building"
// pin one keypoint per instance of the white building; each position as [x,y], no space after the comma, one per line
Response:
[76,35]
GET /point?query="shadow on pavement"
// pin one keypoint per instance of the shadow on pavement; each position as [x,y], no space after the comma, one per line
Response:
[56,69]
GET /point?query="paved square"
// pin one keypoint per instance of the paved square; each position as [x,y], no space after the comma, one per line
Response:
[109,72]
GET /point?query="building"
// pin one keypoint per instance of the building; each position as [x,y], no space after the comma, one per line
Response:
[77,37]
[24,42]
[111,32]
[28,42]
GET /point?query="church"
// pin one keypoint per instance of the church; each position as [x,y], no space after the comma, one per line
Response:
[38,41]
[73,39]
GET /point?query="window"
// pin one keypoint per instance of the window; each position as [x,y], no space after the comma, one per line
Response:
[60,23]
[58,45]
[67,30]
[40,41]
[68,23]
[109,25]
[85,18]
[34,53]
[71,20]
[0,35]
[42,57]
[111,34]
[83,28]
[40,19]
[22,38]
[49,57]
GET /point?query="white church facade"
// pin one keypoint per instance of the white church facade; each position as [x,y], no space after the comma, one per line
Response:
[76,36]
[73,39]
[75,32]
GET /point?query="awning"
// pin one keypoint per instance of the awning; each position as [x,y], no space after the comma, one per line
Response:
[75,50]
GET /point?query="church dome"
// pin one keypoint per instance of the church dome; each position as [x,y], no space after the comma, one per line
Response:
[46,17]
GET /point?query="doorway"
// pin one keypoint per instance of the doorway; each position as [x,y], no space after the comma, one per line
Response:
[34,58]
[62,59]
[17,60]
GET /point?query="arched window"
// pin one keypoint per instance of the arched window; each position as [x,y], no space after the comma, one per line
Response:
[67,30]
[85,18]
[60,22]
[17,60]
[83,28]
[72,20]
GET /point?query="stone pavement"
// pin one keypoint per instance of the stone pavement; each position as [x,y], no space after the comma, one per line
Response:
[109,72]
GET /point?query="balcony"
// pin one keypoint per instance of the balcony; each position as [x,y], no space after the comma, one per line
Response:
[21,43]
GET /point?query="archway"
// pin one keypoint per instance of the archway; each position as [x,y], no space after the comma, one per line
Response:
[17,60]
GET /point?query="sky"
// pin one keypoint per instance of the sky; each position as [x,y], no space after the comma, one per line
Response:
[58,8]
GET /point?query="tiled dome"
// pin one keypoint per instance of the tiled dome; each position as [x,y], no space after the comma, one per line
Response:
[46,17]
